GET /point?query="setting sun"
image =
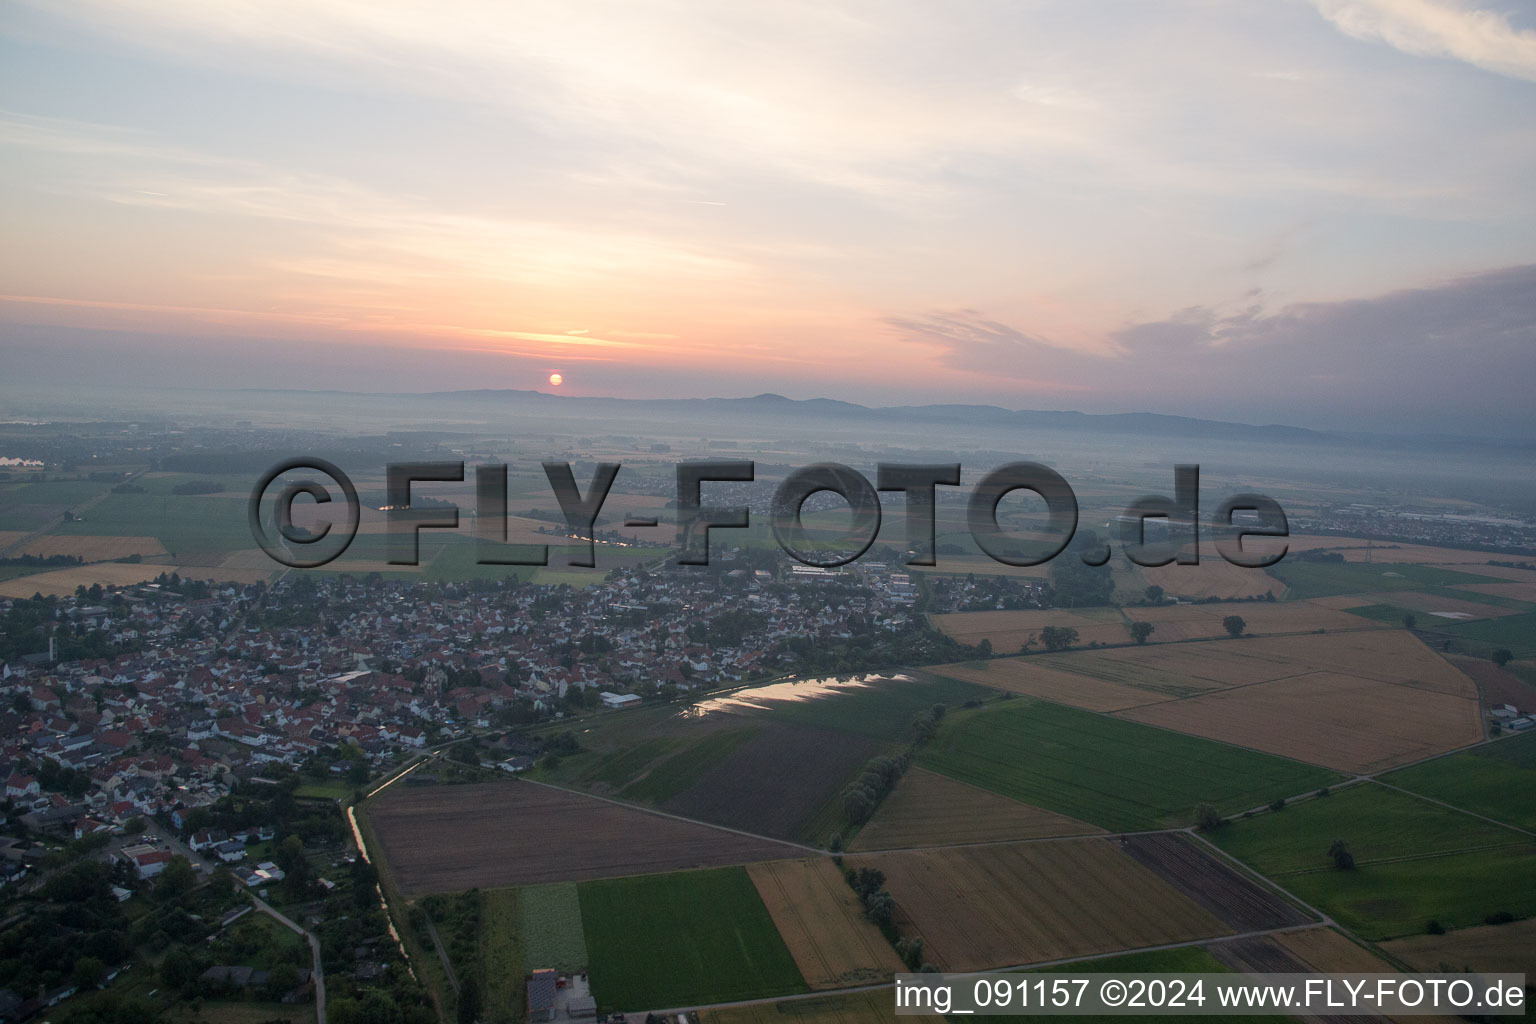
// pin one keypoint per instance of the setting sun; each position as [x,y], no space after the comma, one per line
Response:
[556,379]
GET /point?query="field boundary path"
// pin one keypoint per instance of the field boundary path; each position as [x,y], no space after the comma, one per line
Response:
[442,954]
[317,972]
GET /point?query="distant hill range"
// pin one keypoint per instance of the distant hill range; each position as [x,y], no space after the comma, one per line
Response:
[768,409]
[769,406]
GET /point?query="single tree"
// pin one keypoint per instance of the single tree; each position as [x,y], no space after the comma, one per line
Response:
[1501,656]
[1338,852]
[1154,594]
[1058,638]
[1409,621]
[175,879]
[1141,630]
[1207,817]
[1234,625]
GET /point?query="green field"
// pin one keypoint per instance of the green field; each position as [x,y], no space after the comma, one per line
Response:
[551,927]
[1325,579]
[677,772]
[501,958]
[1396,898]
[689,937]
[883,711]
[190,527]
[1378,824]
[1497,780]
[1118,774]
[1415,861]
[1516,632]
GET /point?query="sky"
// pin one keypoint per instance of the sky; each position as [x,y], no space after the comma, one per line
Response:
[1318,212]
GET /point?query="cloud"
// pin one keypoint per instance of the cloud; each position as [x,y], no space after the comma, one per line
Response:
[1439,28]
[1451,352]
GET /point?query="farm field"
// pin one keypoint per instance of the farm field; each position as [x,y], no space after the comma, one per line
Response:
[1322,579]
[1379,824]
[1118,774]
[57,582]
[501,959]
[1496,685]
[995,906]
[1122,678]
[550,918]
[1339,721]
[821,922]
[707,938]
[92,549]
[1497,780]
[682,762]
[1050,677]
[1512,590]
[1237,900]
[1214,576]
[1202,621]
[1515,632]
[1358,549]
[1397,898]
[775,782]
[451,838]
[927,809]
[1330,951]
[1414,861]
[1008,631]
[1488,947]
[1441,606]
[876,706]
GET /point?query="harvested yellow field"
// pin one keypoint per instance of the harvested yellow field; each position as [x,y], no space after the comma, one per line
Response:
[1009,630]
[9,537]
[1358,549]
[1386,655]
[1326,950]
[1122,678]
[853,1008]
[928,809]
[822,924]
[93,549]
[59,582]
[1494,948]
[1214,576]
[1524,591]
[1039,676]
[1344,722]
[980,907]
[1503,572]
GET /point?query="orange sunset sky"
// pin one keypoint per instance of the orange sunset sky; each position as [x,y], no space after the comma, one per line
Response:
[1315,212]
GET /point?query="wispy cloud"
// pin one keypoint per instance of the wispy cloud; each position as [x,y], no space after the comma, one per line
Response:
[1439,28]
